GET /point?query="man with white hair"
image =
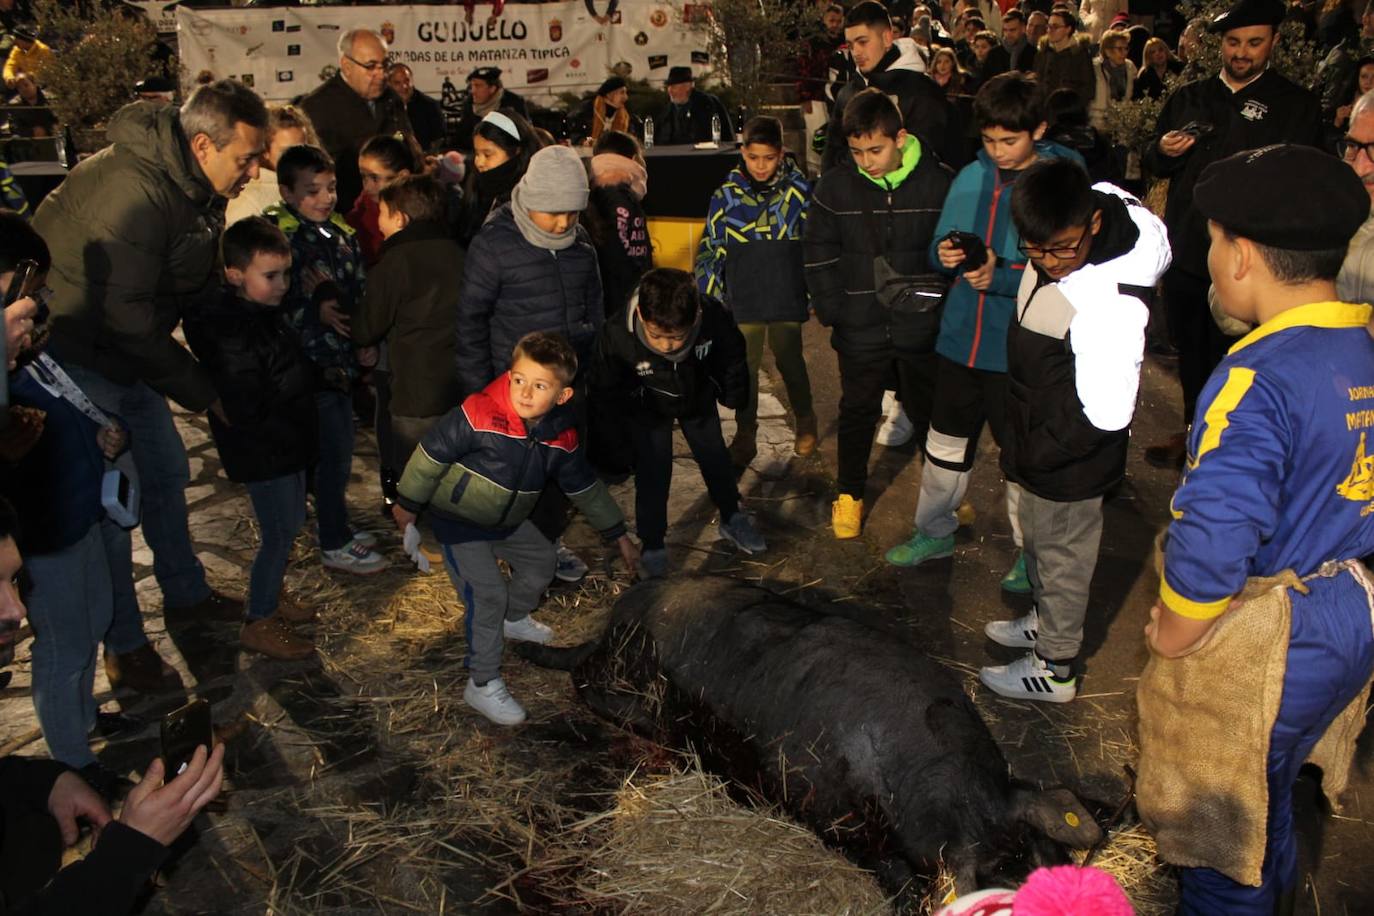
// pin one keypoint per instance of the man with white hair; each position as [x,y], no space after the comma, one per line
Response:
[354,105]
[1355,283]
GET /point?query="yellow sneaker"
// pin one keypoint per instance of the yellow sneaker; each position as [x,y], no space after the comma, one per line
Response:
[966,514]
[846,517]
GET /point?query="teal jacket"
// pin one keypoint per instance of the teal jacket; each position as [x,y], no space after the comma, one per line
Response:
[973,328]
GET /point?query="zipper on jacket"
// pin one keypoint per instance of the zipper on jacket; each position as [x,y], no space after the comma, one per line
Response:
[531,443]
[982,293]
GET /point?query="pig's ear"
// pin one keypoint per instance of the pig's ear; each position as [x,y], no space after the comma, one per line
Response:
[1058,814]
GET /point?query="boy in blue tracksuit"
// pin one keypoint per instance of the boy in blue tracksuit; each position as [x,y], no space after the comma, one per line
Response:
[971,351]
[751,259]
[1279,476]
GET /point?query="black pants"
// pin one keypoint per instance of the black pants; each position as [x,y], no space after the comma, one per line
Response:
[965,399]
[653,444]
[863,379]
[1201,345]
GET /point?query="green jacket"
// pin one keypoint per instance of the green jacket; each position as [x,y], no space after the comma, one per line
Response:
[134,232]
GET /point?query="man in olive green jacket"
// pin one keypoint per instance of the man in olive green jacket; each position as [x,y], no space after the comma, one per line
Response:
[133,233]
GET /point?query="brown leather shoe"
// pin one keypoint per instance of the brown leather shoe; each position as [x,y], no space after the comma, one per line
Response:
[807,437]
[1168,454]
[293,611]
[274,638]
[217,606]
[141,670]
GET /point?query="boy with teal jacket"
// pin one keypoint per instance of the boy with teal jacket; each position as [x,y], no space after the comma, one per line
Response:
[971,350]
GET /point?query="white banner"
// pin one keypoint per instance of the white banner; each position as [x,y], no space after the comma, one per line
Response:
[543,49]
[161,13]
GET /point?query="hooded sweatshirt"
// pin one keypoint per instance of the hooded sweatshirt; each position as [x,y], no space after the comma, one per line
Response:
[133,233]
[619,227]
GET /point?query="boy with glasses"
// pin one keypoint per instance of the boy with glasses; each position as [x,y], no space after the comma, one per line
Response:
[1074,350]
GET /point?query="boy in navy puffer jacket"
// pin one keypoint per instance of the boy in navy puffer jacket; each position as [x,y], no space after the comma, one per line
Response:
[751,259]
[971,350]
[479,472]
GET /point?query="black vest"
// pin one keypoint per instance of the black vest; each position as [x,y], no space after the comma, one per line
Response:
[1053,449]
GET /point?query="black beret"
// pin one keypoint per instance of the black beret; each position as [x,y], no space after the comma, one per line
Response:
[1311,200]
[486,74]
[611,85]
[155,84]
[679,75]
[1247,13]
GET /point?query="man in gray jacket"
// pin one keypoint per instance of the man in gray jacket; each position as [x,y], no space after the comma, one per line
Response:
[133,232]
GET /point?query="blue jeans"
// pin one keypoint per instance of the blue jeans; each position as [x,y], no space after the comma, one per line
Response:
[279,505]
[1330,655]
[70,606]
[163,474]
[334,468]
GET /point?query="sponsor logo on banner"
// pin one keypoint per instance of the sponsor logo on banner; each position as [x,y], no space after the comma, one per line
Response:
[641,38]
[658,61]
[293,28]
[279,25]
[700,57]
[388,33]
[293,50]
[555,30]
[537,75]
[658,19]
[247,80]
[285,76]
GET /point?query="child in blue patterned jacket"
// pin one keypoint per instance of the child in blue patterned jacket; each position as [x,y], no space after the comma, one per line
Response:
[326,283]
[751,259]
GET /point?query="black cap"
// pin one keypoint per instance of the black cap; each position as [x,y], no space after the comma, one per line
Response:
[1313,201]
[611,85]
[679,75]
[155,84]
[1247,13]
[486,74]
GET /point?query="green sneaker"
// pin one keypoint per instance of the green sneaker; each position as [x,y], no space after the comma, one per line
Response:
[1016,581]
[919,549]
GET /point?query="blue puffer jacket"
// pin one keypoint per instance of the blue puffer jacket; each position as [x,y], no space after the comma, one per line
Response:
[751,250]
[511,288]
[973,329]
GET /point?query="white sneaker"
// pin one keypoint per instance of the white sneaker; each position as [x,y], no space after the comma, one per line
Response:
[527,629]
[1015,634]
[494,701]
[354,557]
[366,538]
[571,567]
[1028,678]
[896,429]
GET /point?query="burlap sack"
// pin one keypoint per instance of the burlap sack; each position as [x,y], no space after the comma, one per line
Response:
[1205,721]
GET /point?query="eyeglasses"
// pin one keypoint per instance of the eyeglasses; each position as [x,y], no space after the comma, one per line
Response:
[370,66]
[1348,148]
[1037,253]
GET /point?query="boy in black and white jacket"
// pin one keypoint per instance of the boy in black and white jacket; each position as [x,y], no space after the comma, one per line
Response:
[1074,351]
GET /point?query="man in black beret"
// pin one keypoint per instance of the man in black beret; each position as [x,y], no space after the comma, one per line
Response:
[687,117]
[1246,106]
[485,94]
[1278,482]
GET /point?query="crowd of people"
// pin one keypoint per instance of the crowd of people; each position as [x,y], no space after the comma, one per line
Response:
[486,298]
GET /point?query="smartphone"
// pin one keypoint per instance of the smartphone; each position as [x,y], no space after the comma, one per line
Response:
[975,252]
[184,730]
[1198,130]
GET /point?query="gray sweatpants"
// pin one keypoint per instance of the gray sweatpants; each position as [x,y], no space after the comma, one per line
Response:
[1061,542]
[489,598]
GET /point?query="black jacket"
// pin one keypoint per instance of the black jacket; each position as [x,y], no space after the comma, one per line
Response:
[511,288]
[1023,59]
[1071,68]
[692,122]
[925,112]
[469,119]
[619,230]
[411,301]
[265,384]
[1269,110]
[107,882]
[839,249]
[1051,447]
[344,122]
[427,120]
[633,383]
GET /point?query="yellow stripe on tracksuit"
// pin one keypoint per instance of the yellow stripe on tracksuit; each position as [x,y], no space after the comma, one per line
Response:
[1217,419]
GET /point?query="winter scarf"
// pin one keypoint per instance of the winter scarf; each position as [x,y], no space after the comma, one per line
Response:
[605,118]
